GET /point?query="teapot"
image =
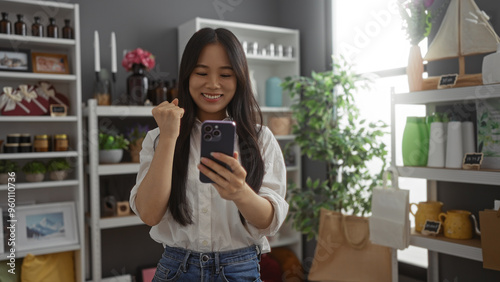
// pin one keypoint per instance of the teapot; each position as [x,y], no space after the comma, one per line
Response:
[457,224]
[429,210]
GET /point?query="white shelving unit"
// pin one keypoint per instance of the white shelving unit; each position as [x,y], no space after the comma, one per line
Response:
[469,249]
[93,113]
[69,84]
[263,67]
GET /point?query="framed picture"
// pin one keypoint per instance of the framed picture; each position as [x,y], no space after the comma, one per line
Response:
[46,225]
[50,63]
[15,60]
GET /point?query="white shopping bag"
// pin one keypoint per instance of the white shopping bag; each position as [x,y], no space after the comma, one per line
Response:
[390,221]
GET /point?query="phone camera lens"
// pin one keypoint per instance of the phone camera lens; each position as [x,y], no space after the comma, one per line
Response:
[207,137]
[216,133]
[208,128]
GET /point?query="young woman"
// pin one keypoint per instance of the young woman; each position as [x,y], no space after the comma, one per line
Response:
[211,232]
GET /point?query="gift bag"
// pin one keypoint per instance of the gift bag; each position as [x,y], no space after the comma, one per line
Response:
[490,234]
[345,253]
[390,220]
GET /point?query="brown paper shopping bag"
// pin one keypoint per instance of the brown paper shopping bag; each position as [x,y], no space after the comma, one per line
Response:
[490,234]
[345,253]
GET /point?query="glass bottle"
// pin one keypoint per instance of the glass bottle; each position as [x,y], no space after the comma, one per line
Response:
[20,26]
[52,30]
[172,91]
[37,28]
[160,93]
[5,26]
[137,86]
[67,30]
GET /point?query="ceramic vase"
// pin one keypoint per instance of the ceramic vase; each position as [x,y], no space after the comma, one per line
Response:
[437,145]
[274,92]
[454,145]
[415,69]
[491,67]
[135,150]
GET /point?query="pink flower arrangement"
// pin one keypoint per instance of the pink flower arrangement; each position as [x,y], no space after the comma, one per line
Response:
[140,57]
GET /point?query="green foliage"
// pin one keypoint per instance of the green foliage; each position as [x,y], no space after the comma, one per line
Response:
[34,167]
[416,20]
[8,166]
[58,165]
[109,141]
[328,129]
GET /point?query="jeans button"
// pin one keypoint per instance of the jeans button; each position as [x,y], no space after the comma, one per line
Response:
[205,258]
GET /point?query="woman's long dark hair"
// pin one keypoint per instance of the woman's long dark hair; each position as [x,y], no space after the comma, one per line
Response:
[243,109]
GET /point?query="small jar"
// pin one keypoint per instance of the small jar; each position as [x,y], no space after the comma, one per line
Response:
[37,28]
[25,138]
[25,147]
[52,29]
[41,143]
[61,142]
[13,138]
[11,148]
[20,26]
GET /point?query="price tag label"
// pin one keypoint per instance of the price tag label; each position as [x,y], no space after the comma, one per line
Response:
[431,227]
[447,81]
[472,161]
[58,110]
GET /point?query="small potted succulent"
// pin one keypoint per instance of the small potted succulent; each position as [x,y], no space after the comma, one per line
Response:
[136,135]
[111,147]
[58,169]
[35,171]
[6,167]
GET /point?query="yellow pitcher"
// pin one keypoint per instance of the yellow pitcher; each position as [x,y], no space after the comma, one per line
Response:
[429,210]
[457,224]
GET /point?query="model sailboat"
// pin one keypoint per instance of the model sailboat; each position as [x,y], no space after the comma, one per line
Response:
[465,31]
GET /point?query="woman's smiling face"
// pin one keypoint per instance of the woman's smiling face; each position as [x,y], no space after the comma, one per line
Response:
[212,84]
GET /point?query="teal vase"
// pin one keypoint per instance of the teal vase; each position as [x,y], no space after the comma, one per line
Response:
[415,142]
[274,92]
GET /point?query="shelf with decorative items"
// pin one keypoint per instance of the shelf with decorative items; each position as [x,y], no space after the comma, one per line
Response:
[460,104]
[40,105]
[273,53]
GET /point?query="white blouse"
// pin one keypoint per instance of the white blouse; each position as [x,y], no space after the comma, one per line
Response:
[216,222]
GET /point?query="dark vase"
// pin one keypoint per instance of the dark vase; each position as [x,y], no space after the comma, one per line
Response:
[52,29]
[67,31]
[137,86]
[20,26]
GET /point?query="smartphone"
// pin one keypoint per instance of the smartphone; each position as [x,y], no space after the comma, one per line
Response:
[217,136]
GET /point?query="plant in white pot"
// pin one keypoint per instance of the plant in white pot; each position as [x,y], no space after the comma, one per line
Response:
[58,169]
[328,129]
[111,147]
[34,171]
[6,167]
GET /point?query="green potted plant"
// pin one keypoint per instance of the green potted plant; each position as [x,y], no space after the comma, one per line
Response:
[111,147]
[58,169]
[35,171]
[6,167]
[136,135]
[328,129]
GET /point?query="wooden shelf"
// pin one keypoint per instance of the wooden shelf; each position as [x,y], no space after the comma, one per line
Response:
[37,119]
[120,221]
[462,94]
[43,251]
[36,76]
[41,185]
[470,249]
[488,177]
[37,155]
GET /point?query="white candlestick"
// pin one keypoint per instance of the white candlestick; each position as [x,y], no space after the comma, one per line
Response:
[113,52]
[97,55]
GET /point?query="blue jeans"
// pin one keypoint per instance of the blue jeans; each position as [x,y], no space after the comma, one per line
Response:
[177,264]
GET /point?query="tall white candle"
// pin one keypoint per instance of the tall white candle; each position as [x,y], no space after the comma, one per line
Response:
[97,54]
[113,52]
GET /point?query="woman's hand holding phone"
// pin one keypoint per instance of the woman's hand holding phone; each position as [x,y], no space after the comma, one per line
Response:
[229,181]
[168,117]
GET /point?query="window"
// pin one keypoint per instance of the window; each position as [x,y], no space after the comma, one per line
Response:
[368,34]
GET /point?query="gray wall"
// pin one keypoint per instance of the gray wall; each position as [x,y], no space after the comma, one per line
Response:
[151,25]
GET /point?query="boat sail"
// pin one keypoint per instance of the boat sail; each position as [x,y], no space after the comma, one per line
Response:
[465,31]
